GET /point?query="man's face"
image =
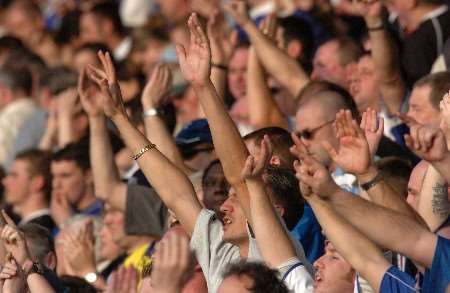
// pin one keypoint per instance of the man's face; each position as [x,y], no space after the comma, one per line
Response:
[415,184]
[235,284]
[234,221]
[17,183]
[326,65]
[20,25]
[311,117]
[90,29]
[363,84]
[70,181]
[420,107]
[237,71]
[173,10]
[215,188]
[109,249]
[333,273]
[114,221]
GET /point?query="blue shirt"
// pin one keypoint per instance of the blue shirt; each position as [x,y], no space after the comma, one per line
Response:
[437,278]
[309,233]
[396,281]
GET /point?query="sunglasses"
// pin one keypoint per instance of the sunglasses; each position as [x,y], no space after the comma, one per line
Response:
[308,134]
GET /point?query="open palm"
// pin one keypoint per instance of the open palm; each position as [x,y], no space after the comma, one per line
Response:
[195,63]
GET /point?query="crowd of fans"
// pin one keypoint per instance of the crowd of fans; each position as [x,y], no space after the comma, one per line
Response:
[225,146]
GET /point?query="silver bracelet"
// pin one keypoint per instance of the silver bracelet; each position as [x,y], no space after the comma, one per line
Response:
[143,151]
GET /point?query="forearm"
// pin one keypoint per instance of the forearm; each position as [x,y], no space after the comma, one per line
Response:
[384,195]
[37,284]
[48,140]
[277,63]
[157,132]
[443,167]
[386,228]
[433,205]
[65,130]
[104,170]
[170,183]
[387,69]
[264,111]
[273,241]
[362,254]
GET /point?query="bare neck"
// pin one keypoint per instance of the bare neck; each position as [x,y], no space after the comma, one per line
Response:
[34,202]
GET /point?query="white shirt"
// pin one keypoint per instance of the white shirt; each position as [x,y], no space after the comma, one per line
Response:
[123,50]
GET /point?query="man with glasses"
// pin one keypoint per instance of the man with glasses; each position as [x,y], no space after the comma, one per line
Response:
[314,125]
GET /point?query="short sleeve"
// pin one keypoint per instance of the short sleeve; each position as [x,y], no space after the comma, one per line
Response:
[145,213]
[396,281]
[296,277]
[213,253]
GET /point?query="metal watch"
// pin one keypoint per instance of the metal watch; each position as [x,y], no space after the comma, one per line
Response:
[150,112]
[91,277]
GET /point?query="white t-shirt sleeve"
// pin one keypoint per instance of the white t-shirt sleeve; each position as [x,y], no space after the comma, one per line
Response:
[296,277]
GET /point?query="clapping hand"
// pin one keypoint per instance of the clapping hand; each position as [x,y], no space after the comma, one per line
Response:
[353,155]
[313,177]
[106,81]
[427,142]
[157,88]
[195,63]
[254,167]
[14,241]
[373,129]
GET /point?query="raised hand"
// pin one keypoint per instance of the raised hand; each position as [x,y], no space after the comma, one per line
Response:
[195,63]
[79,250]
[14,240]
[89,95]
[157,88]
[238,9]
[106,81]
[254,167]
[427,142]
[173,262]
[373,129]
[353,155]
[314,178]
[269,26]
[221,45]
[123,280]
[60,208]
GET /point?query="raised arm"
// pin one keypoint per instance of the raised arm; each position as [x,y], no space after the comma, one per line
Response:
[171,184]
[264,110]
[362,254]
[387,69]
[354,156]
[429,144]
[107,184]
[153,97]
[195,65]
[279,65]
[385,227]
[67,104]
[271,236]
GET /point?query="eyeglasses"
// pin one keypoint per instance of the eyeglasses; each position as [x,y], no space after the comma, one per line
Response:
[309,133]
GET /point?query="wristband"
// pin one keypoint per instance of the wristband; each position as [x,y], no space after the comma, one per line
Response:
[368,185]
[150,112]
[219,66]
[376,28]
[143,151]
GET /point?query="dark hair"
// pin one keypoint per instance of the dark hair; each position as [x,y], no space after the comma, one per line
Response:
[58,79]
[396,173]
[285,191]
[39,239]
[348,49]
[296,29]
[77,152]
[281,142]
[38,162]
[25,58]
[93,48]
[439,83]
[264,279]
[69,28]
[17,79]
[10,43]
[77,285]
[314,88]
[109,10]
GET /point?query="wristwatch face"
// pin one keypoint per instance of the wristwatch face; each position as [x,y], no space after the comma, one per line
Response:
[91,277]
[151,112]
